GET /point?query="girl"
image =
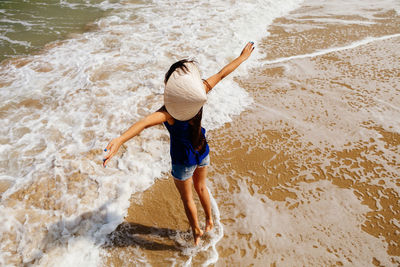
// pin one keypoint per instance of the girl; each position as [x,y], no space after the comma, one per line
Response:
[184,96]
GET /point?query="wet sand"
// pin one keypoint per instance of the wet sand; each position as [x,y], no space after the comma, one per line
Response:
[270,162]
[151,220]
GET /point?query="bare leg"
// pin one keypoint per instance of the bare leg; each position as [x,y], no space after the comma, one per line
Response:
[199,180]
[185,190]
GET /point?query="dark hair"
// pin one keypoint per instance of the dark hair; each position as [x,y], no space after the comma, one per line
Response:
[177,65]
[196,137]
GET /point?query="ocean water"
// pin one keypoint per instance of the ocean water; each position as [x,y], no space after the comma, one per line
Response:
[26,26]
[60,107]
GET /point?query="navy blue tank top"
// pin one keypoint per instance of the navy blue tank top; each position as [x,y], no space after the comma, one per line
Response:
[181,149]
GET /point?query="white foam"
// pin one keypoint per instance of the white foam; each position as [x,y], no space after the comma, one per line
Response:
[353,8]
[314,233]
[335,21]
[103,4]
[217,236]
[80,252]
[327,103]
[28,25]
[332,49]
[11,41]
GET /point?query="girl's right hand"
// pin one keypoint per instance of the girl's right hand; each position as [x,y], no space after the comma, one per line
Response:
[247,50]
[112,149]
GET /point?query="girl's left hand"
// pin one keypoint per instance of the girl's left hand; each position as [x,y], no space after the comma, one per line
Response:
[247,50]
[112,147]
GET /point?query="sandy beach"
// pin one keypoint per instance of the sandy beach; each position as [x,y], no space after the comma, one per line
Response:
[292,193]
[304,136]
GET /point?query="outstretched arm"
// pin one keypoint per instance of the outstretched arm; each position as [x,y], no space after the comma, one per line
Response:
[225,71]
[155,118]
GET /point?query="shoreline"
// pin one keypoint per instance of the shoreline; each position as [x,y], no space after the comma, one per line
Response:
[273,177]
[306,174]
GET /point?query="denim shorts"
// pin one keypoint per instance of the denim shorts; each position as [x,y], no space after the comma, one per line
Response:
[182,172]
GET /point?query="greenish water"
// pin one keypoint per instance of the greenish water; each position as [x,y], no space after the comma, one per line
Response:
[27,25]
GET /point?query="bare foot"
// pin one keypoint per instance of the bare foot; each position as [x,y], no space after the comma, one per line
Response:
[209,225]
[197,233]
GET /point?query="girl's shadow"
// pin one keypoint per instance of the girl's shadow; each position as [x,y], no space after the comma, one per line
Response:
[62,232]
[147,237]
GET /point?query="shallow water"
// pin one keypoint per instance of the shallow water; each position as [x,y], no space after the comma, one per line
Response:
[319,185]
[314,113]
[27,26]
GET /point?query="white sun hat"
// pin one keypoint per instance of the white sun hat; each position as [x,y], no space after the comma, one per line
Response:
[184,93]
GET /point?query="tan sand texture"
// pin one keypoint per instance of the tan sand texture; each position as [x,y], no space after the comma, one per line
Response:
[309,175]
